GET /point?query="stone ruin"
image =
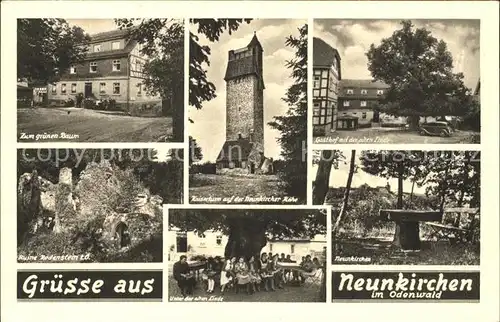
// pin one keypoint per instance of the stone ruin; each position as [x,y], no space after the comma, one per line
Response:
[58,207]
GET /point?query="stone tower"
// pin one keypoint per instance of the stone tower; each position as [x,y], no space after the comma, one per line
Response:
[244,93]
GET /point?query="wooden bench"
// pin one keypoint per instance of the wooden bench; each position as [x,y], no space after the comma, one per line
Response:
[454,227]
[407,231]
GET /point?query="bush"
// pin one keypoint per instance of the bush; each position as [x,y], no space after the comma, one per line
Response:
[153,109]
[89,104]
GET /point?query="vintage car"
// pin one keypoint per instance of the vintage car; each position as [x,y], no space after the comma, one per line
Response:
[439,128]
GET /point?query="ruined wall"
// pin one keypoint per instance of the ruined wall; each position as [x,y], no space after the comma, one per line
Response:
[65,211]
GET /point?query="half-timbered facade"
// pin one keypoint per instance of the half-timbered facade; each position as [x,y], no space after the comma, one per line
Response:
[326,77]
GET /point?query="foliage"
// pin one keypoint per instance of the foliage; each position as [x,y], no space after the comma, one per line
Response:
[195,153]
[419,70]
[200,88]
[276,223]
[293,125]
[48,47]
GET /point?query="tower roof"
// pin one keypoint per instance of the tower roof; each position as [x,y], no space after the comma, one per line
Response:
[324,54]
[255,42]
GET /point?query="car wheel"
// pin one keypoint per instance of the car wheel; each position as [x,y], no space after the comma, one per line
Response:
[444,133]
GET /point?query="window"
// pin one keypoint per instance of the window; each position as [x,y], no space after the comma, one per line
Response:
[97,48]
[93,67]
[115,45]
[322,113]
[116,88]
[380,91]
[102,88]
[72,70]
[363,115]
[346,103]
[139,89]
[350,91]
[218,240]
[63,89]
[317,80]
[138,66]
[364,91]
[363,103]
[73,88]
[292,249]
[54,89]
[116,65]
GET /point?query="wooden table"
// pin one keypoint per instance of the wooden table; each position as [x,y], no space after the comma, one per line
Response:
[407,232]
[197,267]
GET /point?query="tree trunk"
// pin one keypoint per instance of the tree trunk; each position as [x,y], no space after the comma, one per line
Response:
[247,237]
[178,118]
[346,194]
[321,184]
[413,122]
[400,227]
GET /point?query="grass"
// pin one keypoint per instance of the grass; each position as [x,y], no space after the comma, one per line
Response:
[396,135]
[89,125]
[379,250]
[224,185]
[304,293]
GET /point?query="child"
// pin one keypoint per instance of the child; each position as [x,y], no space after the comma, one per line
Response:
[209,275]
[226,276]
[255,279]
[242,275]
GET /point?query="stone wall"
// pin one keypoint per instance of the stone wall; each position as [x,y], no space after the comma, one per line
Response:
[241,108]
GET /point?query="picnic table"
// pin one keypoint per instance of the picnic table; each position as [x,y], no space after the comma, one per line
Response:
[196,267]
[407,231]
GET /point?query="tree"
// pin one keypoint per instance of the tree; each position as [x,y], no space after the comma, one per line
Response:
[48,47]
[395,164]
[293,125]
[162,41]
[248,231]
[200,88]
[195,153]
[419,70]
[345,200]
[325,161]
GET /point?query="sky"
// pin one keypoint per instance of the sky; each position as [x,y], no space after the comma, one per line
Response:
[93,26]
[338,177]
[209,127]
[352,38]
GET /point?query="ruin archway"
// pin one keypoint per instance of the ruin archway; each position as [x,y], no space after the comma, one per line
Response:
[122,235]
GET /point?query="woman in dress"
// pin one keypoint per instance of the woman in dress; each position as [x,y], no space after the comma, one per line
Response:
[276,271]
[265,273]
[226,276]
[242,272]
[255,279]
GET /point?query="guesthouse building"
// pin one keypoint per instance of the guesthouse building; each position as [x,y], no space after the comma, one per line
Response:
[326,77]
[112,69]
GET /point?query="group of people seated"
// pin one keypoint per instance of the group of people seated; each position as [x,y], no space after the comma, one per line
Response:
[252,274]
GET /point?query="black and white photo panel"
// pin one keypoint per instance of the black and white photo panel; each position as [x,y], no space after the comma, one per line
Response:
[248,125]
[396,81]
[100,80]
[247,254]
[94,205]
[401,207]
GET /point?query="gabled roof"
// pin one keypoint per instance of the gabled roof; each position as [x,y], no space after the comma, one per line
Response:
[110,35]
[362,83]
[324,54]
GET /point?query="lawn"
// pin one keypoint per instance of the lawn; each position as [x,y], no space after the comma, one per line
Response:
[380,252]
[395,136]
[217,186]
[82,125]
[304,293]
